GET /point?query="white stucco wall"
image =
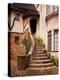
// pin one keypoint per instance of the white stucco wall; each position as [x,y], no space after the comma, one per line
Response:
[41,26]
[26,23]
[52,24]
[55,54]
[18,25]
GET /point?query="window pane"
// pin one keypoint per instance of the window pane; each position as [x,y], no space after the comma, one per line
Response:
[55,40]
[49,41]
[16,40]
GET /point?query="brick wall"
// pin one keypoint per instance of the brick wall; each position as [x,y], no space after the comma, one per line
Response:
[16,52]
[14,47]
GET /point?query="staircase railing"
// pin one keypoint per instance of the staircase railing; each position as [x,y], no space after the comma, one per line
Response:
[30,57]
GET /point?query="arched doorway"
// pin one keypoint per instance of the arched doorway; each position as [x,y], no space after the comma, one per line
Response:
[33,23]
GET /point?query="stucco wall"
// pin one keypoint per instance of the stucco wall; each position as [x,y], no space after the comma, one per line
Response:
[44,26]
[18,25]
[52,24]
[41,26]
[55,54]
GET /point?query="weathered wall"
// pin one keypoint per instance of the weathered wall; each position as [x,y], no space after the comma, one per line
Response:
[52,24]
[18,25]
[17,51]
[41,26]
[44,26]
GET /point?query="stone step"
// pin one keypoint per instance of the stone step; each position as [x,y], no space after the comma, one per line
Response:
[39,43]
[42,68]
[41,64]
[40,71]
[42,57]
[41,61]
[34,65]
[39,46]
[40,54]
[37,51]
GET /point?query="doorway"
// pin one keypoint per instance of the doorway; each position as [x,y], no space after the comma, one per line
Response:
[33,23]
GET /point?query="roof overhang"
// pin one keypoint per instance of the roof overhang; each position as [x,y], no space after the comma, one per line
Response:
[25,9]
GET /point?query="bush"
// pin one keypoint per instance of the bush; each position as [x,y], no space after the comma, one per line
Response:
[39,39]
[55,60]
[27,44]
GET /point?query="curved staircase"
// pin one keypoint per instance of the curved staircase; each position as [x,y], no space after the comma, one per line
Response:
[41,64]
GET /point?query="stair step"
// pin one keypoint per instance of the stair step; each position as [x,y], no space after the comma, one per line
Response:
[41,61]
[40,54]
[38,43]
[41,65]
[49,71]
[39,46]
[38,51]
[42,57]
[42,68]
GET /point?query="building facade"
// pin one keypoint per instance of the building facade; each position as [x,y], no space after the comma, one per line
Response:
[48,27]
[27,22]
[21,17]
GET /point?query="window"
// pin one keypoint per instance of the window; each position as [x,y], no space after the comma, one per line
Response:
[49,41]
[55,40]
[16,40]
[17,16]
[48,9]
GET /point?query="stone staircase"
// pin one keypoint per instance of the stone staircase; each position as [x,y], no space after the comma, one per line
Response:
[40,63]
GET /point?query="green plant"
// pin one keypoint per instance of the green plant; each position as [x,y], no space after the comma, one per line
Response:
[39,39]
[27,44]
[55,60]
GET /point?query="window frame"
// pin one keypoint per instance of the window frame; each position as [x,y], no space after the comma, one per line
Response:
[49,45]
[17,40]
[54,39]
